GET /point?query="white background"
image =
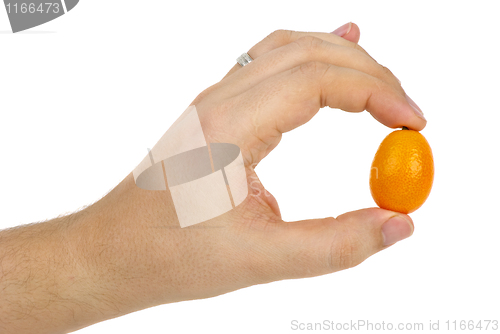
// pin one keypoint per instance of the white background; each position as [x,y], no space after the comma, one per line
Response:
[84,96]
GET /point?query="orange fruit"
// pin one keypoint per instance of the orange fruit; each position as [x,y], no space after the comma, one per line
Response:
[402,171]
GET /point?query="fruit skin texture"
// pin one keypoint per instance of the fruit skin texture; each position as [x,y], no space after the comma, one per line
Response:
[402,172]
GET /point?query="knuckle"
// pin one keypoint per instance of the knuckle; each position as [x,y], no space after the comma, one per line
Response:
[312,69]
[344,252]
[390,77]
[203,95]
[342,256]
[308,44]
[280,37]
[385,71]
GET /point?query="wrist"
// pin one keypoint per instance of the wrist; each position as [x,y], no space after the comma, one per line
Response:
[118,242]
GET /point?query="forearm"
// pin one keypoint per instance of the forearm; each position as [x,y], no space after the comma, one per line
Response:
[69,272]
[43,287]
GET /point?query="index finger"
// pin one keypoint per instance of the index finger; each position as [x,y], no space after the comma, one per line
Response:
[290,99]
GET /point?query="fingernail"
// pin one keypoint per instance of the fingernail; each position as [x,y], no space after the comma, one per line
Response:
[344,30]
[416,109]
[396,229]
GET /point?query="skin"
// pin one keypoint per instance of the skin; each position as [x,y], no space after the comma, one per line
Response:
[127,251]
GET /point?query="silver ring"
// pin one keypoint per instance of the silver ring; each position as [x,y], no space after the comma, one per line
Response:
[244,59]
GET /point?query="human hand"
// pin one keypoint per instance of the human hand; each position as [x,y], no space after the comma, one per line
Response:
[127,252]
[293,75]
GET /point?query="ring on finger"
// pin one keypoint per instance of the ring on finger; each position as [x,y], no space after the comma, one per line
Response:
[244,59]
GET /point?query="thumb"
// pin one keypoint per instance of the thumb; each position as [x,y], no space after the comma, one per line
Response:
[321,246]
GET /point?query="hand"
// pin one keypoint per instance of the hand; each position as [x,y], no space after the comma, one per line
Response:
[127,251]
[293,75]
